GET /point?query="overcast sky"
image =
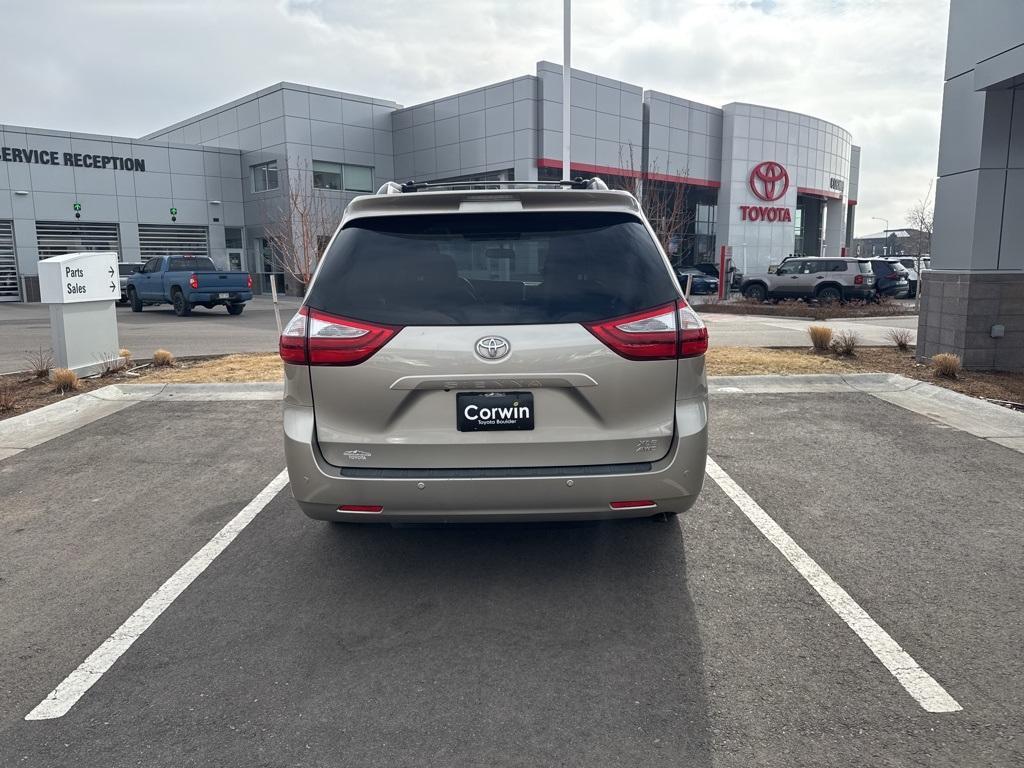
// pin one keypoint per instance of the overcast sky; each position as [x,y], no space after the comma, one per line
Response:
[127,67]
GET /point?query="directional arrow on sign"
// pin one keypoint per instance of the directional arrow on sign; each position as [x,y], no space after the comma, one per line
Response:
[110,271]
[112,286]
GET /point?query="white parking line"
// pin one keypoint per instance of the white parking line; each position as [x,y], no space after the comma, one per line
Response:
[73,687]
[918,683]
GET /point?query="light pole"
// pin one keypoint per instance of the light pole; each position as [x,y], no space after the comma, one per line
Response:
[885,232]
[566,82]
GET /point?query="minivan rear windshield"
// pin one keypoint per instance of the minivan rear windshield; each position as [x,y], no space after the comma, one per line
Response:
[492,268]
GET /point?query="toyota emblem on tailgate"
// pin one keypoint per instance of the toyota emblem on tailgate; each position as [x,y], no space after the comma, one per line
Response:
[492,347]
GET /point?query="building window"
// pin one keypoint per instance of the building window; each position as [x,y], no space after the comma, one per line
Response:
[352,178]
[358,178]
[264,176]
[233,238]
[326,175]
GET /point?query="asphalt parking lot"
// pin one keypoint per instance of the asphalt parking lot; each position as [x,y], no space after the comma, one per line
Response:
[693,642]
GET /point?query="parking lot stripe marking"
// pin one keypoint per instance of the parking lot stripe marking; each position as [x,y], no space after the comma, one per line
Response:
[73,687]
[918,683]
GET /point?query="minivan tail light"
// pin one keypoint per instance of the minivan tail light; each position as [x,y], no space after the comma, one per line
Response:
[663,333]
[292,344]
[248,281]
[332,340]
[193,281]
[313,337]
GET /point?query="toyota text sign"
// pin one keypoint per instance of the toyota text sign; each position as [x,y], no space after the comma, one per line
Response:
[768,181]
[77,277]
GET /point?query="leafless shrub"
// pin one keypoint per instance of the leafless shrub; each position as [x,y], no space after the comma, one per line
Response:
[901,337]
[8,396]
[64,380]
[821,337]
[163,359]
[947,365]
[40,363]
[125,355]
[844,343]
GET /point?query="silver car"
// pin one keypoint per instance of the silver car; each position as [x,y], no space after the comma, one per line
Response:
[494,354]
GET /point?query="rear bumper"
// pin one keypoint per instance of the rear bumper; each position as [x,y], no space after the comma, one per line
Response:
[896,291]
[234,297]
[673,484]
[859,293]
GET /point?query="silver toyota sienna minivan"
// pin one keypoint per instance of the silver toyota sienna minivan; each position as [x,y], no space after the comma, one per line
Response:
[516,353]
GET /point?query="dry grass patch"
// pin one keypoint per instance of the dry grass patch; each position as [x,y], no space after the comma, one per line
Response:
[901,337]
[758,361]
[821,337]
[8,396]
[40,363]
[64,380]
[230,369]
[947,365]
[844,344]
[163,359]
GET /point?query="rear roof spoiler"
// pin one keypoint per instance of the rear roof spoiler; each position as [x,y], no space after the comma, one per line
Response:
[395,188]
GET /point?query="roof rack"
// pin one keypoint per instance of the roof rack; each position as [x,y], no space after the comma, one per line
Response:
[394,188]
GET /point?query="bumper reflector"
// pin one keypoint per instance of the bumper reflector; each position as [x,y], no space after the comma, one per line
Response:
[368,508]
[644,504]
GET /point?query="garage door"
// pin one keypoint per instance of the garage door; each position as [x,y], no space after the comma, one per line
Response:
[58,237]
[8,263]
[165,240]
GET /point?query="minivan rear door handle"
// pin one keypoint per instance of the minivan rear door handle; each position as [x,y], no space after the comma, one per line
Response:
[489,383]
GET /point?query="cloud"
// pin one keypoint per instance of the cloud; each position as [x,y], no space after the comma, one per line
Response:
[127,68]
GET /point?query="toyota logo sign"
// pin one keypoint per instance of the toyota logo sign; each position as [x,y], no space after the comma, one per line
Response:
[492,347]
[769,181]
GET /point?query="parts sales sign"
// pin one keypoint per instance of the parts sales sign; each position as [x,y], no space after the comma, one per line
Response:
[768,182]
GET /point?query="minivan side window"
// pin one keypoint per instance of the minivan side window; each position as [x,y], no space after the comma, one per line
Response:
[492,268]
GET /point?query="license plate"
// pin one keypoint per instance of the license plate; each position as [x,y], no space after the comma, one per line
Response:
[223,295]
[492,411]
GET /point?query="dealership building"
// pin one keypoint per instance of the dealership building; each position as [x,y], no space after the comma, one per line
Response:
[765,182]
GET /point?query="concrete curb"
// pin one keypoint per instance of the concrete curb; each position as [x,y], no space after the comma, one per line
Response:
[51,421]
[963,412]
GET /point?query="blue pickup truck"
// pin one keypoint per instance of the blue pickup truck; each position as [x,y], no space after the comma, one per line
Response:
[186,282]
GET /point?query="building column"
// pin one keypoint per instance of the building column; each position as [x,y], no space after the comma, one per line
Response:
[835,228]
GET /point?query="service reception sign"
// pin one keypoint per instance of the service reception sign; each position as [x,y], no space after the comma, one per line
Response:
[73,278]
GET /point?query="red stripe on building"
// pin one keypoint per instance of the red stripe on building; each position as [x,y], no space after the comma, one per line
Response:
[544,162]
[819,192]
[851,202]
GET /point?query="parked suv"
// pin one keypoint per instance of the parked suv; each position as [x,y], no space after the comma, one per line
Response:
[891,278]
[499,354]
[819,278]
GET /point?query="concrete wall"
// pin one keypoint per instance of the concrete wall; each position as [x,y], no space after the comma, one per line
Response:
[176,176]
[605,121]
[482,131]
[684,139]
[976,288]
[813,152]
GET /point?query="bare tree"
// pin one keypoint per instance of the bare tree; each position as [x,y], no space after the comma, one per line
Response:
[664,202]
[921,217]
[298,230]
